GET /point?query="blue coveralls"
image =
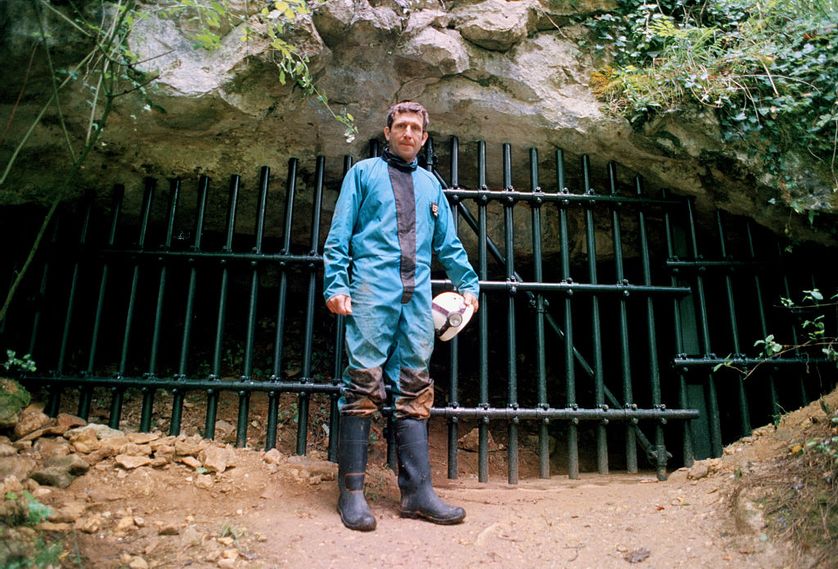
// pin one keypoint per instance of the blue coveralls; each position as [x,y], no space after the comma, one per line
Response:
[388,221]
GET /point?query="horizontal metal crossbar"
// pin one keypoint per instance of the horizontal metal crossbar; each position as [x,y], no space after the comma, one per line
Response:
[185,384]
[311,260]
[562,198]
[511,414]
[513,286]
[702,361]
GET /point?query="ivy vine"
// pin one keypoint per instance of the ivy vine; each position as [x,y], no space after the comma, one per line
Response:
[768,68]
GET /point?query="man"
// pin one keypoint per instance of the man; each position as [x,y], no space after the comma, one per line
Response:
[390,218]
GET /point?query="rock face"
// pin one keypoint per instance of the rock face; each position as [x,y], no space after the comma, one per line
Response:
[501,71]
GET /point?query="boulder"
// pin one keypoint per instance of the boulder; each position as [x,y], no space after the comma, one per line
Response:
[13,399]
[31,419]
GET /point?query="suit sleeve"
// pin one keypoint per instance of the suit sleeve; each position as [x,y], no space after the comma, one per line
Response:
[450,252]
[336,254]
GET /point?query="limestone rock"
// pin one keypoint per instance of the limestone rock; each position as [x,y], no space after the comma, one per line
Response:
[49,447]
[130,462]
[60,471]
[432,52]
[309,469]
[16,465]
[217,459]
[31,419]
[494,24]
[68,513]
[13,399]
[7,450]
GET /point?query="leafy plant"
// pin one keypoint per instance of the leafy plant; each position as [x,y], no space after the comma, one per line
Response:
[16,364]
[767,68]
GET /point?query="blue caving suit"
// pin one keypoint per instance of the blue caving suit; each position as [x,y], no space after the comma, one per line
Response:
[390,218]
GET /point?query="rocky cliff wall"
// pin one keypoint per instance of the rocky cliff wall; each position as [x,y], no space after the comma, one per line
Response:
[493,70]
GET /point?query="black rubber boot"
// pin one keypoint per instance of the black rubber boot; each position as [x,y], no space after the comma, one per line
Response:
[418,497]
[352,465]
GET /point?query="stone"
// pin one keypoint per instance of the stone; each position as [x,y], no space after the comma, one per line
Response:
[190,461]
[433,52]
[166,452]
[48,448]
[143,438]
[312,471]
[188,446]
[7,450]
[13,399]
[18,466]
[138,563]
[90,524]
[699,470]
[101,431]
[273,456]
[32,418]
[85,441]
[217,459]
[168,529]
[125,524]
[130,462]
[60,471]
[203,481]
[471,441]
[64,422]
[68,513]
[494,24]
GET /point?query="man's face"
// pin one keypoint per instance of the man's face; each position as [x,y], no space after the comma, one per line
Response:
[406,135]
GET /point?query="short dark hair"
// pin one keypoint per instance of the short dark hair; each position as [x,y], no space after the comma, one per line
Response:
[407,107]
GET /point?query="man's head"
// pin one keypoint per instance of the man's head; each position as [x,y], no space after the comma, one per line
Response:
[406,129]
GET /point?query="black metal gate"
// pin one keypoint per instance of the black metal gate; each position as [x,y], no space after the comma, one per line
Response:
[598,328]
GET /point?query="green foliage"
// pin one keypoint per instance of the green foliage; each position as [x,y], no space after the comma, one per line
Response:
[30,511]
[768,68]
[16,364]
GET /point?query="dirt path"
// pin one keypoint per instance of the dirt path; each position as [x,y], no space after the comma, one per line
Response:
[264,510]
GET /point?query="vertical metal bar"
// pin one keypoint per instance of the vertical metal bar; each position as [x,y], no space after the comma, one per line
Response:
[250,340]
[148,393]
[763,320]
[454,363]
[599,379]
[795,339]
[71,297]
[54,401]
[212,394]
[42,290]
[308,337]
[86,393]
[538,304]
[710,384]
[625,352]
[178,394]
[511,347]
[570,370]
[282,301]
[337,373]
[660,452]
[744,412]
[116,400]
[687,441]
[483,316]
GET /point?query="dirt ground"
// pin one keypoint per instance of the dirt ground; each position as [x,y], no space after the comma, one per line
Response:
[271,511]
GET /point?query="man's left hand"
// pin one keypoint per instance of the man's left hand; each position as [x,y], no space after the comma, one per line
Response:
[471,300]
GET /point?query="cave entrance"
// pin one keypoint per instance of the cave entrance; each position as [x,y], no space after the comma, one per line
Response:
[617,329]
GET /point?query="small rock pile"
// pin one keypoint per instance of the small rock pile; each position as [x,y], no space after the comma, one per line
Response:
[41,454]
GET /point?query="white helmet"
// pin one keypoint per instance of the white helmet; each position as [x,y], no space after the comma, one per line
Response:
[450,314]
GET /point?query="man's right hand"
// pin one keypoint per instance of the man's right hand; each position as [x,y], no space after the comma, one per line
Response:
[340,304]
